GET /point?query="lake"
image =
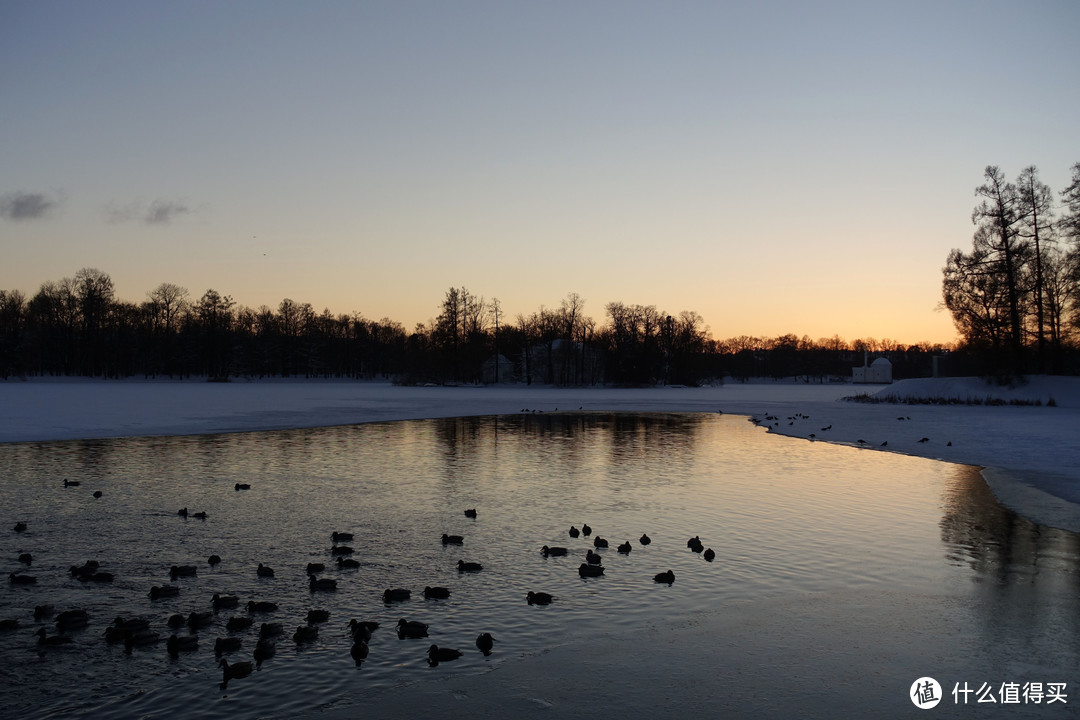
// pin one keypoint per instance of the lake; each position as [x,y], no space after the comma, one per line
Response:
[786,518]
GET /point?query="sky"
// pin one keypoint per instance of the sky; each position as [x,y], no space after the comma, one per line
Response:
[777,167]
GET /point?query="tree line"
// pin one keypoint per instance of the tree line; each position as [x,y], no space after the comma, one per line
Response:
[78,327]
[1015,297]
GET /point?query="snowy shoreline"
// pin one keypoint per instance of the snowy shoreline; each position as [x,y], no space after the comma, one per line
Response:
[1030,454]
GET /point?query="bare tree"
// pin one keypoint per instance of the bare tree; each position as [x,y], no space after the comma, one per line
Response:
[1035,227]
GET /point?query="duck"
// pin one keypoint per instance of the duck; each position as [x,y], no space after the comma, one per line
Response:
[553,551]
[470,513]
[437,654]
[313,568]
[227,644]
[317,616]
[709,555]
[592,558]
[362,628]
[71,619]
[197,620]
[179,571]
[452,539]
[87,568]
[238,624]
[411,629]
[9,624]
[213,560]
[306,634]
[463,566]
[20,579]
[176,620]
[625,548]
[396,594]
[72,483]
[26,558]
[163,591]
[20,527]
[136,623]
[42,612]
[586,530]
[695,544]
[139,638]
[347,563]
[574,532]
[664,577]
[539,598]
[182,512]
[45,639]
[337,537]
[269,630]
[264,649]
[436,593]
[201,515]
[484,642]
[181,643]
[587,570]
[359,651]
[97,493]
[221,602]
[341,550]
[599,542]
[264,571]
[262,606]
[241,486]
[233,671]
[644,539]
[321,584]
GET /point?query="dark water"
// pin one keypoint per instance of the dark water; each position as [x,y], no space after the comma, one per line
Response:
[783,516]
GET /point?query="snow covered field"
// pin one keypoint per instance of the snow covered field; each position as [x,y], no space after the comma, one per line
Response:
[1031,454]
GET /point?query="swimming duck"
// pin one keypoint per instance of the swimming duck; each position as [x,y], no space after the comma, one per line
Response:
[359,651]
[233,671]
[337,537]
[176,620]
[317,616]
[182,512]
[26,558]
[9,624]
[437,654]
[592,558]
[553,551]
[20,579]
[229,644]
[20,527]
[71,483]
[163,592]
[213,560]
[452,539]
[97,493]
[341,550]
[587,570]
[201,515]
[470,513]
[269,630]
[586,530]
[224,601]
[321,584]
[313,568]
[264,649]
[262,606]
[463,566]
[179,571]
[197,620]
[396,594]
[181,643]
[140,638]
[46,639]
[599,542]
[347,563]
[131,623]
[241,486]
[574,532]
[625,548]
[264,571]
[539,598]
[695,544]
[664,577]
[238,624]
[709,555]
[362,629]
[484,642]
[87,568]
[42,611]
[411,629]
[306,634]
[436,593]
[71,619]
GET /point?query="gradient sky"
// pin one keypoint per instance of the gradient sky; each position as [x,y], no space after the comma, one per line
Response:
[775,166]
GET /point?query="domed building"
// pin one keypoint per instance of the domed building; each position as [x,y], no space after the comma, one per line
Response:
[878,372]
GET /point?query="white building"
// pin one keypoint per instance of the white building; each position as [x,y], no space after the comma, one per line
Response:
[878,372]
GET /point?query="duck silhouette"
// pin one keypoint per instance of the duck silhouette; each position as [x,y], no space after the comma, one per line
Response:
[436,593]
[359,651]
[484,642]
[438,654]
[539,598]
[411,629]
[665,577]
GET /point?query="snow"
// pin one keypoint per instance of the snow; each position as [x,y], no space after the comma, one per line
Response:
[1030,454]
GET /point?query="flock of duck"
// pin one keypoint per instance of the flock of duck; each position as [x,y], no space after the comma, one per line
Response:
[253,616]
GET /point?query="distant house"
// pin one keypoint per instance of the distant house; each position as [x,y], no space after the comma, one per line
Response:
[878,372]
[498,369]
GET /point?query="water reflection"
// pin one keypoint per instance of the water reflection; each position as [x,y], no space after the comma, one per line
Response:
[784,517]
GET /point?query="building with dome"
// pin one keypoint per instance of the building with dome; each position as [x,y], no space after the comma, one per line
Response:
[878,372]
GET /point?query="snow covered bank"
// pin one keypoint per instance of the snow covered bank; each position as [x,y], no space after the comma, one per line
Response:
[1032,453]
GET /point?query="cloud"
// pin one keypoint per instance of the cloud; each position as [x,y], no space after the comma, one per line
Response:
[21,205]
[158,212]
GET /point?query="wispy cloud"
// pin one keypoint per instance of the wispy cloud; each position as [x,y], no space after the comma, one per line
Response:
[21,205]
[157,212]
